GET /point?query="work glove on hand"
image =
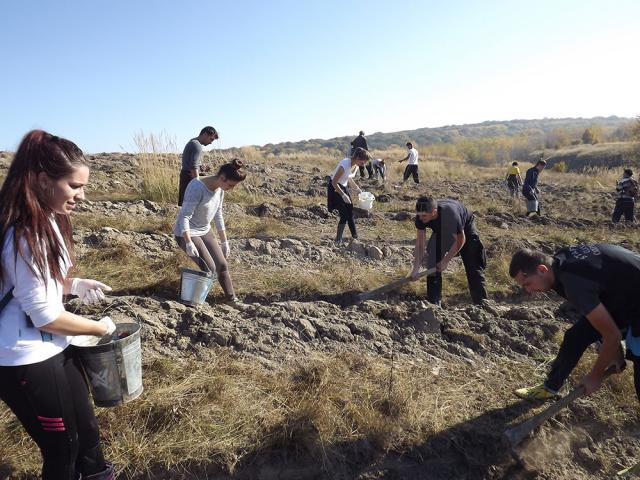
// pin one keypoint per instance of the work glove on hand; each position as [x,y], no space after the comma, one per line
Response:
[226,249]
[89,291]
[107,322]
[191,249]
[345,197]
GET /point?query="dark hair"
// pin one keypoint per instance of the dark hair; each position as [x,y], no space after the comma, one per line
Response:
[514,164]
[362,132]
[541,162]
[209,131]
[233,170]
[526,261]
[22,204]
[360,154]
[426,204]
[628,172]
[409,144]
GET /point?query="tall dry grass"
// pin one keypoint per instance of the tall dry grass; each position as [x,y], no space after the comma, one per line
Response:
[159,166]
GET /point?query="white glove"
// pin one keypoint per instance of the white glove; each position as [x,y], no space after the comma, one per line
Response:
[191,249]
[107,322]
[226,249]
[89,291]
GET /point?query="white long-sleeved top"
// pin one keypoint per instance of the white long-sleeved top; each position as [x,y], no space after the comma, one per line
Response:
[199,207]
[21,342]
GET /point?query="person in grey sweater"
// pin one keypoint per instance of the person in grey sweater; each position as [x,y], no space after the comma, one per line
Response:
[202,204]
[191,158]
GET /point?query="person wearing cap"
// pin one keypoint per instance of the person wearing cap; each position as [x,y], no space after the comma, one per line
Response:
[601,282]
[192,157]
[627,190]
[454,232]
[530,188]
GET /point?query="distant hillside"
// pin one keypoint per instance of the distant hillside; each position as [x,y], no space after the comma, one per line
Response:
[607,155]
[537,131]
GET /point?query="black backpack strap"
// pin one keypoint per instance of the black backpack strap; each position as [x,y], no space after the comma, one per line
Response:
[6,299]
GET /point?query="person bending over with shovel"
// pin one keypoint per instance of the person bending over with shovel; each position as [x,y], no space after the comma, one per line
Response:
[602,281]
[337,194]
[454,232]
[40,377]
[203,203]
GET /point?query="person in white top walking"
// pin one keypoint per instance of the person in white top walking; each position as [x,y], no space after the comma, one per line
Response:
[337,193]
[202,204]
[40,378]
[412,166]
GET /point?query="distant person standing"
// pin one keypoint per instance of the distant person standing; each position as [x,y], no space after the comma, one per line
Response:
[514,180]
[454,231]
[627,190]
[360,142]
[191,158]
[412,165]
[337,194]
[530,188]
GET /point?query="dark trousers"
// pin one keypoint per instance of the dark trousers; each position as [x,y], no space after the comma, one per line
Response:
[345,210]
[378,169]
[576,340]
[411,170]
[624,206]
[51,400]
[474,259]
[369,170]
[185,178]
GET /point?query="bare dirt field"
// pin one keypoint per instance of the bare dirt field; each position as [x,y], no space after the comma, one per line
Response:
[301,382]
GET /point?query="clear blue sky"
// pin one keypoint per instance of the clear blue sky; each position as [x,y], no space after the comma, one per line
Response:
[97,71]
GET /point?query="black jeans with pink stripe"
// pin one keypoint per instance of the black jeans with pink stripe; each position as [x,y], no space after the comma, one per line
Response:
[51,400]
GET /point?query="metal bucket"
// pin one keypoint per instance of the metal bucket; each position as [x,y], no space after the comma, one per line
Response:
[195,286]
[532,205]
[114,370]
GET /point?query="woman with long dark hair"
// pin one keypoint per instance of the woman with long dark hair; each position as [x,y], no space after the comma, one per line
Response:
[201,205]
[337,193]
[40,379]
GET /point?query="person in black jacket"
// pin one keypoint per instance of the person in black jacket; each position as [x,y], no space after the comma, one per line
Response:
[361,142]
[530,187]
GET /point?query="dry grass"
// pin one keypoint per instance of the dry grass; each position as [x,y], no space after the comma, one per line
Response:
[123,223]
[159,166]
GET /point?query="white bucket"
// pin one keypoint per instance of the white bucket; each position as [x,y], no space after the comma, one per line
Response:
[195,286]
[365,200]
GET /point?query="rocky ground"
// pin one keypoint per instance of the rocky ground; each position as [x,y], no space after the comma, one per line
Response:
[278,222]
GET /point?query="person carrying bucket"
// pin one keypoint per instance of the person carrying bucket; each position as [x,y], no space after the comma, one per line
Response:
[530,189]
[40,377]
[202,204]
[338,195]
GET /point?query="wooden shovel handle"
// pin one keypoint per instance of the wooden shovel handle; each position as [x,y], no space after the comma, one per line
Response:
[393,285]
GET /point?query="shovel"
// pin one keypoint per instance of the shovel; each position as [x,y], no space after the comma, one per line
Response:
[517,434]
[392,286]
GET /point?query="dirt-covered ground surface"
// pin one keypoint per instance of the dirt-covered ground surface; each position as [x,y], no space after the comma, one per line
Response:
[282,234]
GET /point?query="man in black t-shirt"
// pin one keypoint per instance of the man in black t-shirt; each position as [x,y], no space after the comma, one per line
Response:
[454,232]
[603,282]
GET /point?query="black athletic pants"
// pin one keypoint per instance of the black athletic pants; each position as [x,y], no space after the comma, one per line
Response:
[575,342]
[411,170]
[185,178]
[474,259]
[369,170]
[51,400]
[624,206]
[345,210]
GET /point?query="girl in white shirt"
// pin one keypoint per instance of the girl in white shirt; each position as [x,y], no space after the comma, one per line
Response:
[40,379]
[202,204]
[337,194]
